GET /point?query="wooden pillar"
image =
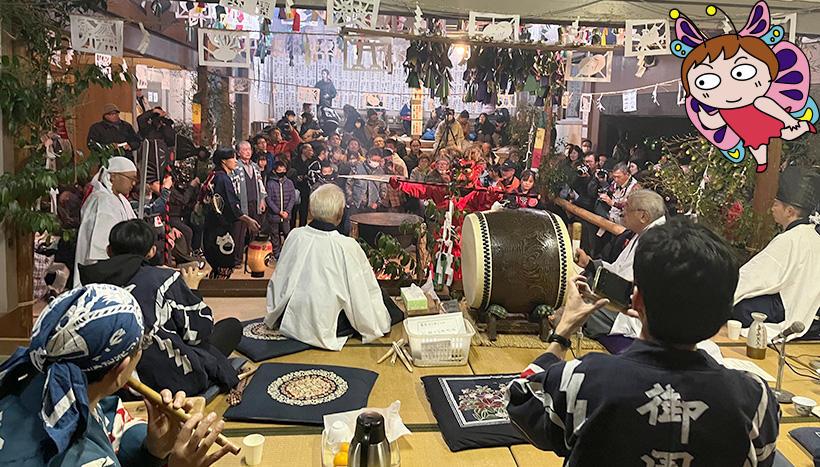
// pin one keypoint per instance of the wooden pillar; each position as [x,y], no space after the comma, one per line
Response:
[765,191]
[225,128]
[202,133]
[16,249]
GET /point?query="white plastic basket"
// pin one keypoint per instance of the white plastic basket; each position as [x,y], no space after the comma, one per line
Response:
[438,349]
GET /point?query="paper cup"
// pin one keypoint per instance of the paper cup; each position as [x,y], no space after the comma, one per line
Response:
[733,329]
[254,445]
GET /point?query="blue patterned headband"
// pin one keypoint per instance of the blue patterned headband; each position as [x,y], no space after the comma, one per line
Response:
[86,329]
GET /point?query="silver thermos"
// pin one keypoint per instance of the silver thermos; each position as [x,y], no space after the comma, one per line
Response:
[369,447]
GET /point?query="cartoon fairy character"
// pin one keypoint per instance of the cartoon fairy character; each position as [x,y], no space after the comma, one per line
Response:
[744,88]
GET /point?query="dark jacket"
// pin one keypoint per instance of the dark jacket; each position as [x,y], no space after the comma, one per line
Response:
[646,406]
[106,133]
[411,160]
[231,208]
[180,201]
[177,321]
[281,197]
[148,128]
[327,92]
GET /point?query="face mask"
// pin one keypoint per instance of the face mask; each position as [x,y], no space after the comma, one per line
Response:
[280,174]
[329,177]
[373,164]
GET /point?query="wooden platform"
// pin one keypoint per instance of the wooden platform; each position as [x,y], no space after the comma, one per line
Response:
[425,446]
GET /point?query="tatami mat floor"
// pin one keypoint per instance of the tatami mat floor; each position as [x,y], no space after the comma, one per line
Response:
[426,447]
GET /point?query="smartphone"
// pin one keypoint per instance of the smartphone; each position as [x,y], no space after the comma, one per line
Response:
[607,284]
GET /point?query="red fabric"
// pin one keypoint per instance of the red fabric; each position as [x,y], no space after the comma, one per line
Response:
[285,146]
[753,126]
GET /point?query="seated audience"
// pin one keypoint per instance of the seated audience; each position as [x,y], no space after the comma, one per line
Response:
[183,349]
[484,129]
[509,181]
[105,206]
[662,402]
[782,280]
[321,274]
[644,210]
[56,394]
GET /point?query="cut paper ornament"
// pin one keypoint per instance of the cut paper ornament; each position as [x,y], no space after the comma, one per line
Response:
[224,48]
[630,100]
[307,95]
[589,67]
[374,100]
[501,27]
[353,13]
[247,6]
[681,95]
[103,62]
[586,103]
[507,101]
[267,9]
[646,37]
[146,39]
[96,35]
[194,10]
[240,85]
[418,21]
[141,72]
[368,54]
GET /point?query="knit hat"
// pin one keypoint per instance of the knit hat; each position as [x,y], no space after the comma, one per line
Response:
[119,164]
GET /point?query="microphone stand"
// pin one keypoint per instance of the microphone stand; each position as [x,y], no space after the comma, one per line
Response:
[783,396]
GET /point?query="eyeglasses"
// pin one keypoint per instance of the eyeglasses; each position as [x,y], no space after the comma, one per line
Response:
[133,179]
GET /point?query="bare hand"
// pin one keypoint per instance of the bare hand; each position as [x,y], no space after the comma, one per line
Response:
[194,441]
[581,257]
[192,277]
[253,226]
[127,147]
[374,206]
[195,182]
[262,206]
[283,214]
[162,429]
[167,182]
[577,311]
[606,199]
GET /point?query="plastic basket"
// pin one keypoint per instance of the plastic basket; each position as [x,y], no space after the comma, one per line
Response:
[438,349]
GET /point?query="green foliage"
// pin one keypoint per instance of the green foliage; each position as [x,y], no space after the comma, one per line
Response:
[428,65]
[709,186]
[33,93]
[522,128]
[389,258]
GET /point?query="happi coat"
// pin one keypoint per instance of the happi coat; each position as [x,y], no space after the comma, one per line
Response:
[788,266]
[651,406]
[320,274]
[112,438]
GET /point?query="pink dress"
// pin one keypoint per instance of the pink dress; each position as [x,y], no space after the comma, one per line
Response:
[751,125]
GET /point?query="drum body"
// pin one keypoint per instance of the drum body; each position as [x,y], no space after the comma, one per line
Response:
[259,251]
[516,258]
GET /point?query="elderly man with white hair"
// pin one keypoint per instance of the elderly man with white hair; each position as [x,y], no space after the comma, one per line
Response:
[321,274]
[643,210]
[105,207]
[250,188]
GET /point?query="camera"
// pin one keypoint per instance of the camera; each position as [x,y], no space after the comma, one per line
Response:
[602,174]
[583,170]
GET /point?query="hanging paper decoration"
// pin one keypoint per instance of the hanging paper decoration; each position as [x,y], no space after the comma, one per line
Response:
[507,101]
[565,98]
[630,100]
[266,8]
[681,95]
[418,21]
[288,6]
[501,27]
[224,48]
[586,102]
[353,13]
[194,10]
[247,6]
[600,104]
[325,49]
[589,67]
[96,35]
[646,37]
[146,39]
[165,83]
[368,54]
[103,62]
[141,73]
[374,100]
[655,95]
[307,95]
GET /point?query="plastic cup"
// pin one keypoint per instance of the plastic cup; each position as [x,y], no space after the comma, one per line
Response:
[733,329]
[254,445]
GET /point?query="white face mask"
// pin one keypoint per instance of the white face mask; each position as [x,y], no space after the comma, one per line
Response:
[373,164]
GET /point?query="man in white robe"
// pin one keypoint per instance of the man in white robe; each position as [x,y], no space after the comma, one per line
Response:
[103,209]
[321,274]
[643,210]
[783,280]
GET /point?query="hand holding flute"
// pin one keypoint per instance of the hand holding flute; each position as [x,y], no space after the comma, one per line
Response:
[172,431]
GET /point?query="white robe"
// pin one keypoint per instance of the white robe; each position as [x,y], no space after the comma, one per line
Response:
[790,266]
[101,211]
[626,325]
[318,275]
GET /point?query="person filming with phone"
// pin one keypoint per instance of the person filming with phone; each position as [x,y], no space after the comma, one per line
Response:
[644,209]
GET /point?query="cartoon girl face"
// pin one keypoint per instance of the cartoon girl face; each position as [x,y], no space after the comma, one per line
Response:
[729,83]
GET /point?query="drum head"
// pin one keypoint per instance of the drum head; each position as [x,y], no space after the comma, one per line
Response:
[476,276]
